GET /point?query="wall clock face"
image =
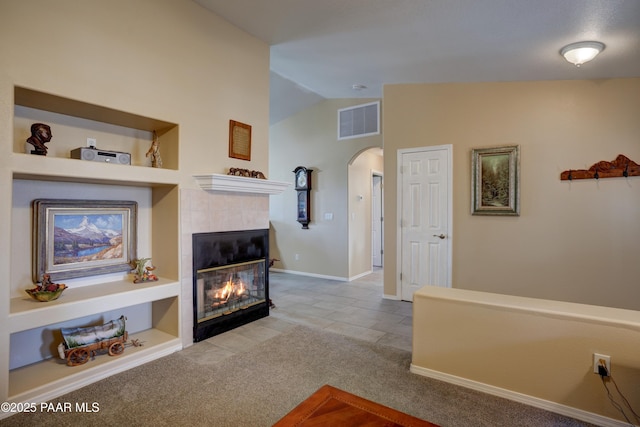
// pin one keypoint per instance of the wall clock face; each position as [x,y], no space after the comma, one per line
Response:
[301,179]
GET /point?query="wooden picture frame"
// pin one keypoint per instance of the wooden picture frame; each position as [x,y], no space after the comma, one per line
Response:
[77,238]
[239,140]
[495,181]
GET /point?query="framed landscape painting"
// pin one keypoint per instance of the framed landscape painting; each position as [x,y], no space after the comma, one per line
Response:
[77,238]
[495,181]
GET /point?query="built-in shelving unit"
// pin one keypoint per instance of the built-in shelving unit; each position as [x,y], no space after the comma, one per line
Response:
[50,376]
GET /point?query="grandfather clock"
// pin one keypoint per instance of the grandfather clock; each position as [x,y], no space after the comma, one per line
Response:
[303,188]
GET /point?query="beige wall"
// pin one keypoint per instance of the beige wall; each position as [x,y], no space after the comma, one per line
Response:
[573,241]
[310,139]
[534,351]
[167,59]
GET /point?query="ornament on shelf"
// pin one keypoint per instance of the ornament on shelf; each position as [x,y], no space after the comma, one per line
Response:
[246,173]
[143,272]
[46,290]
[40,135]
[154,152]
[81,344]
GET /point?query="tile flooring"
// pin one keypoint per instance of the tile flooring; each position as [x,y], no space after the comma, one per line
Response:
[355,309]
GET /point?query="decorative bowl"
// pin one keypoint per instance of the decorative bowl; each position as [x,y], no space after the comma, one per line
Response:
[45,296]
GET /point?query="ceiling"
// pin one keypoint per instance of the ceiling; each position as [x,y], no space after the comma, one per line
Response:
[321,48]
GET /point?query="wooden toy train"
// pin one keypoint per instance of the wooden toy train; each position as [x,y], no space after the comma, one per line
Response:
[80,344]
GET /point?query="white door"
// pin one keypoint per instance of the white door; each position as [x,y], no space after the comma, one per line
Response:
[376,221]
[425,213]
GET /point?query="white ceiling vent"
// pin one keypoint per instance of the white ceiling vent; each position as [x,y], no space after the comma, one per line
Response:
[358,121]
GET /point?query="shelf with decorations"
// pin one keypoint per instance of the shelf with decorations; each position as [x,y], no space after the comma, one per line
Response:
[74,124]
[31,371]
[26,313]
[52,377]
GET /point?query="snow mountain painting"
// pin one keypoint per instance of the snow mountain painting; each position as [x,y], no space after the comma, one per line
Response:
[89,237]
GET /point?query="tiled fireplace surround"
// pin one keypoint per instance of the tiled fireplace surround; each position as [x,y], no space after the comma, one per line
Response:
[211,211]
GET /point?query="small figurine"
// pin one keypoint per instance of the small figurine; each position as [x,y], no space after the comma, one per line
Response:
[143,273]
[40,134]
[154,152]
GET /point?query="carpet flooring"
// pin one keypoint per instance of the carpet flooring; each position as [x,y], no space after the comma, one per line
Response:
[260,386]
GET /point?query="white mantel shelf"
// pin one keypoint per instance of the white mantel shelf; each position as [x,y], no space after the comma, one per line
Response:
[241,184]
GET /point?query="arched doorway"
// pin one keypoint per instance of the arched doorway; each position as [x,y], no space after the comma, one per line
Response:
[364,209]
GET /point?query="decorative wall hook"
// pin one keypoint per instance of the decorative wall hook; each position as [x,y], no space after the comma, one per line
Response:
[622,166]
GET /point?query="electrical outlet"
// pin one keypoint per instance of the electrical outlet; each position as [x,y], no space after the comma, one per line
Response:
[597,361]
[91,142]
[297,257]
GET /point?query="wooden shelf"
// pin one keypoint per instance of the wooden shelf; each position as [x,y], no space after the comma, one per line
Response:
[620,167]
[52,377]
[26,313]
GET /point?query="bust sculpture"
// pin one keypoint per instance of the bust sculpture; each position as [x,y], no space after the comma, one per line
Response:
[40,134]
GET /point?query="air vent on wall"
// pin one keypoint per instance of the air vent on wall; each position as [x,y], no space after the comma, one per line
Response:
[358,121]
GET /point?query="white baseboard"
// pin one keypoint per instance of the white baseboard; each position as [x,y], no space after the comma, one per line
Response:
[547,405]
[357,276]
[303,273]
[322,276]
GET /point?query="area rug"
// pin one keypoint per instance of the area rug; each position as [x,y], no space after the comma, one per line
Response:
[330,406]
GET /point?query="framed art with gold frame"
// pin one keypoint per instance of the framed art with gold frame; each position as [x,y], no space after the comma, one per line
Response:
[239,140]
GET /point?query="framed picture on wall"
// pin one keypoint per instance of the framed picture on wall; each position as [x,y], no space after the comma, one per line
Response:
[77,238]
[239,140]
[495,181]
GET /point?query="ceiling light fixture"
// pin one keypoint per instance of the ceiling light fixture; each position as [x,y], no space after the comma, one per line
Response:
[581,52]
[358,87]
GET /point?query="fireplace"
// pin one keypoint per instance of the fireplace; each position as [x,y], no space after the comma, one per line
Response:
[230,280]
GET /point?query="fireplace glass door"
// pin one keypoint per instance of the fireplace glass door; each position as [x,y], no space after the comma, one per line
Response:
[224,290]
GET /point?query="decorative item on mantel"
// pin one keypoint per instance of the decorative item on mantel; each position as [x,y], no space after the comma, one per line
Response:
[46,290]
[246,172]
[622,166]
[154,152]
[143,272]
[40,135]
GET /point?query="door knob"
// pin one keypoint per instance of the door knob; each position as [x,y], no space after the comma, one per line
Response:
[442,236]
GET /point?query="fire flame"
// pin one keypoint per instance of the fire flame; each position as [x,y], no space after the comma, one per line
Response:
[230,288]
